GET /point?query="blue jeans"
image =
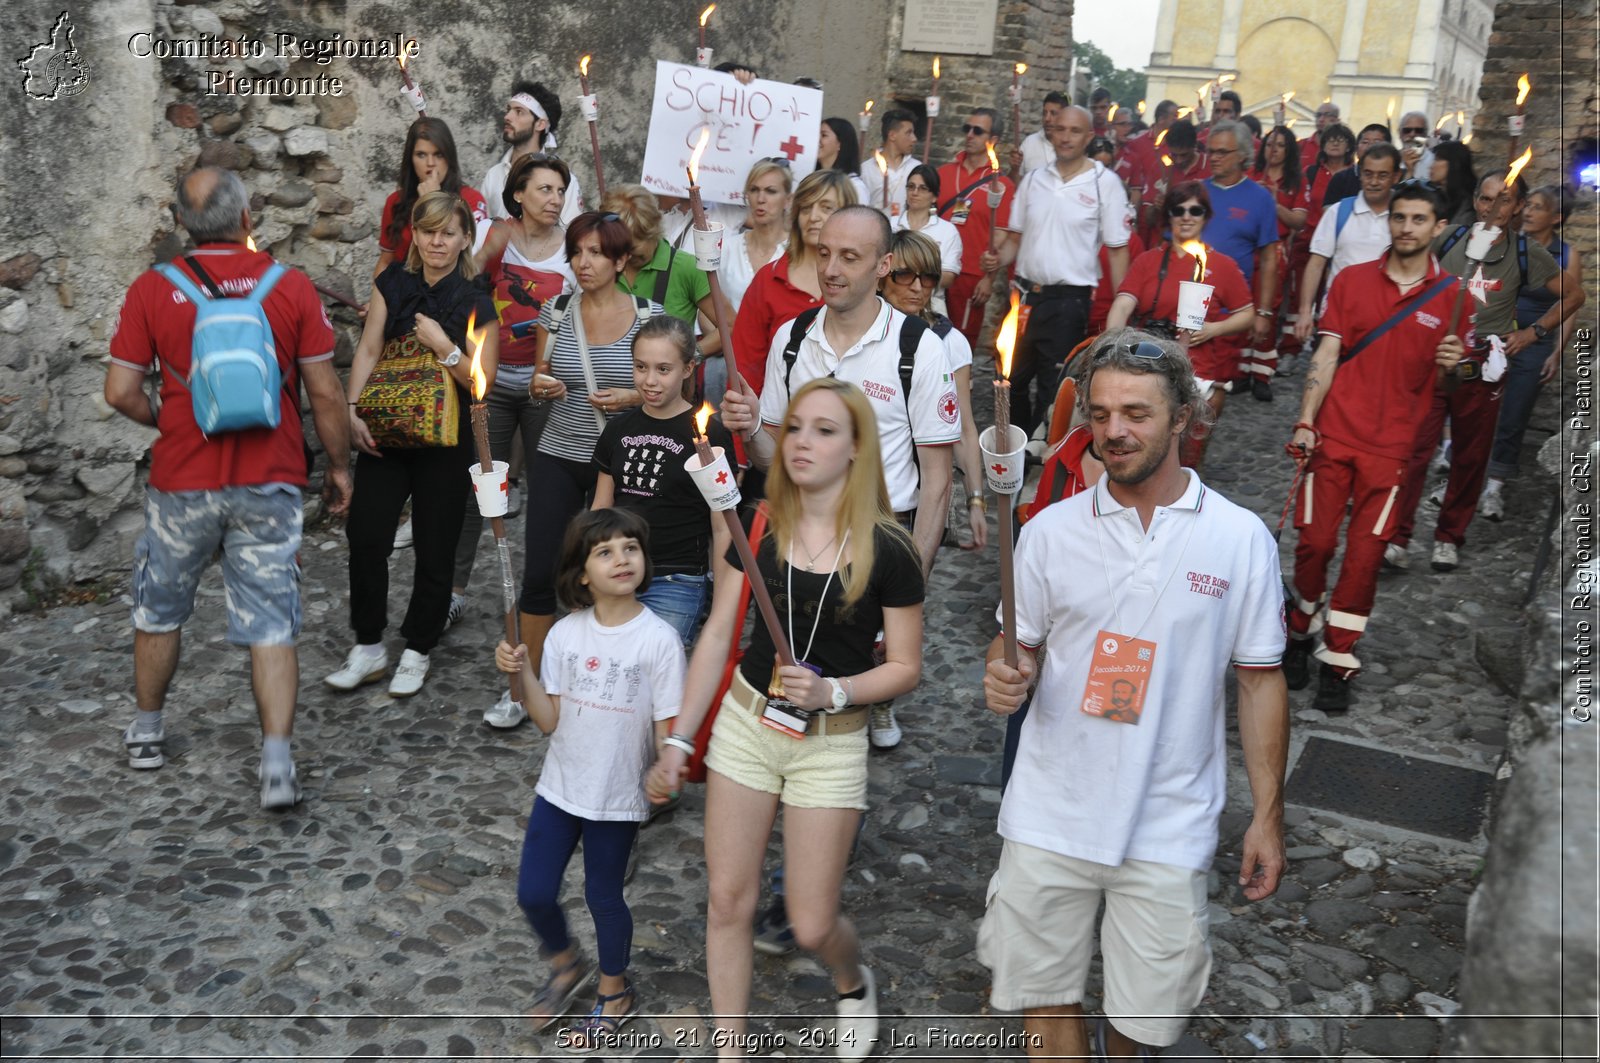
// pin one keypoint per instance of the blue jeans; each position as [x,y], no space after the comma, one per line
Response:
[680,601]
[1516,407]
[1008,758]
[546,850]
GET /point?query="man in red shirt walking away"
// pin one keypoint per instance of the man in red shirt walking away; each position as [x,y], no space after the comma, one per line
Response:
[1383,344]
[235,491]
[967,183]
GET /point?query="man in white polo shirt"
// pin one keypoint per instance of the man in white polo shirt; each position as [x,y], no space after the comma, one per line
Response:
[856,336]
[1352,230]
[1154,580]
[1036,150]
[529,125]
[900,152]
[1061,216]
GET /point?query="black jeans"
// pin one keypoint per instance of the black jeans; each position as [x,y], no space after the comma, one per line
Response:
[562,488]
[1056,324]
[511,412]
[436,479]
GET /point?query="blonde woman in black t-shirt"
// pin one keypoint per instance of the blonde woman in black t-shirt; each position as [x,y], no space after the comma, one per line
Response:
[839,569]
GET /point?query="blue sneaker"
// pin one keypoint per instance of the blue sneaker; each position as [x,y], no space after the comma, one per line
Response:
[774,936]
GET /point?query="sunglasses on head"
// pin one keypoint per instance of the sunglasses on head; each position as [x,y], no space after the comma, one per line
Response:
[906,277]
[1142,349]
[780,160]
[1416,184]
[1193,211]
[974,130]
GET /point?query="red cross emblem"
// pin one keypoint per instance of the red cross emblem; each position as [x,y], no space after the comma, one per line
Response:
[997,469]
[792,149]
[722,477]
[593,664]
[949,406]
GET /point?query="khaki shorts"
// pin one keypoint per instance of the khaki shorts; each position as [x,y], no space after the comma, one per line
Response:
[817,771]
[1037,938]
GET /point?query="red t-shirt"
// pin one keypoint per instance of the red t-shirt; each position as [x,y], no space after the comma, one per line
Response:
[157,319]
[519,294]
[768,302]
[1299,199]
[471,196]
[1157,182]
[1378,398]
[1100,304]
[1217,359]
[970,214]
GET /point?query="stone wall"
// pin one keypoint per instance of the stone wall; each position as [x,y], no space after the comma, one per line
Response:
[87,181]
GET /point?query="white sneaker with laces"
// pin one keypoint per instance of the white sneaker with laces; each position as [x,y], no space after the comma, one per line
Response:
[1395,556]
[882,728]
[1436,496]
[409,674]
[856,1028]
[402,535]
[144,750]
[365,664]
[1445,557]
[280,790]
[1492,503]
[505,713]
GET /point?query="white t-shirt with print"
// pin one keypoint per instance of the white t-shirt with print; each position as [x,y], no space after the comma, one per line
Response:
[614,683]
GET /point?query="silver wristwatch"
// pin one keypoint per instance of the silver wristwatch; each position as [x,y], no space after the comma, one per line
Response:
[451,360]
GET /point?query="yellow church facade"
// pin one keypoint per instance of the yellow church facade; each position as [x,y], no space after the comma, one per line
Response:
[1364,55]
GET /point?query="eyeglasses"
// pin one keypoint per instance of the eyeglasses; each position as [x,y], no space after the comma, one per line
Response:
[907,277]
[917,188]
[1214,152]
[1413,131]
[974,130]
[1142,349]
[1193,211]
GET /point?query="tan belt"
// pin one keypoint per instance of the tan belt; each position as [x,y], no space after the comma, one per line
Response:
[753,701]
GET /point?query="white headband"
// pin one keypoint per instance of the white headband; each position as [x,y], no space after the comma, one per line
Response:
[527,102]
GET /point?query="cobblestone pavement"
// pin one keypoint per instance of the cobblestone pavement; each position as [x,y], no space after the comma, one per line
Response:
[160,914]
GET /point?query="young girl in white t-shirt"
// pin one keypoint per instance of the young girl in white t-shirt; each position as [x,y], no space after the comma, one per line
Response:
[613,679]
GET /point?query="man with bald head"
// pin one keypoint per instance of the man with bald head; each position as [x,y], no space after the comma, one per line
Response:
[234,493]
[1061,217]
[1327,115]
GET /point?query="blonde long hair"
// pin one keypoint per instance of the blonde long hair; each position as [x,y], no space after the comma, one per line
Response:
[864,506]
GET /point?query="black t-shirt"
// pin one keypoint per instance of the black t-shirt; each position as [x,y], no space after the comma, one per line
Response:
[845,636]
[645,457]
[451,302]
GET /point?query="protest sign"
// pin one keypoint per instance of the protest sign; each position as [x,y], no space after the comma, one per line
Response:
[761,120]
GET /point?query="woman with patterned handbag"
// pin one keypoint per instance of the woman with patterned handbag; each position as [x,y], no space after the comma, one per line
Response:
[407,390]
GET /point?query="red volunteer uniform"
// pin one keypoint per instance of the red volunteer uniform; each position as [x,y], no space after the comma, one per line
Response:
[1159,178]
[1214,360]
[970,215]
[768,302]
[1100,304]
[1265,364]
[157,318]
[1367,424]
[470,196]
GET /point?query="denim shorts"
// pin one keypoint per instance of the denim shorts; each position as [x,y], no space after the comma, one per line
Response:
[680,601]
[257,530]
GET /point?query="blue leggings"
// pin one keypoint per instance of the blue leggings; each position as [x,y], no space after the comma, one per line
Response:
[547,849]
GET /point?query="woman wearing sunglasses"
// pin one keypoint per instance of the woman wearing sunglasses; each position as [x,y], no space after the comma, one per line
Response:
[922,196]
[909,288]
[1148,299]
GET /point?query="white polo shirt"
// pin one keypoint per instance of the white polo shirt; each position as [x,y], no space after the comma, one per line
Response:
[872,177]
[1037,151]
[1203,584]
[1064,223]
[494,184]
[931,417]
[1365,236]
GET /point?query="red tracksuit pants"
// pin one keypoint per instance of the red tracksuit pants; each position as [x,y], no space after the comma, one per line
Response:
[1339,475]
[968,318]
[1473,408]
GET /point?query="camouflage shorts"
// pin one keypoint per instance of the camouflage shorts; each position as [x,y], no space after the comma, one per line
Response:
[257,531]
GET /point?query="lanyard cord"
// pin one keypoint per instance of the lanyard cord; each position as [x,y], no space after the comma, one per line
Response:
[820,598]
[1105,570]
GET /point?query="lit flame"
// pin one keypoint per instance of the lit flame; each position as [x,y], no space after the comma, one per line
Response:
[1196,250]
[475,336]
[699,149]
[583,65]
[1224,79]
[936,68]
[1141,107]
[1203,89]
[868,108]
[1163,134]
[994,160]
[401,59]
[1443,118]
[703,418]
[1516,167]
[1006,339]
[883,164]
[1523,87]
[1021,69]
[1389,111]
[1467,139]
[706,14]
[1111,115]
[1289,124]
[250,242]
[1461,117]
[1287,97]
[1166,160]
[1184,112]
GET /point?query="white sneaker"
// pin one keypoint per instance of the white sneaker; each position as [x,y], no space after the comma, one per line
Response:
[1441,458]
[882,728]
[1492,503]
[856,1027]
[1436,496]
[458,609]
[402,535]
[366,664]
[1445,557]
[1396,556]
[280,790]
[505,713]
[409,674]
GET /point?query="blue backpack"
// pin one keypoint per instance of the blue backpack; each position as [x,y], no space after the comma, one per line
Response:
[234,379]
